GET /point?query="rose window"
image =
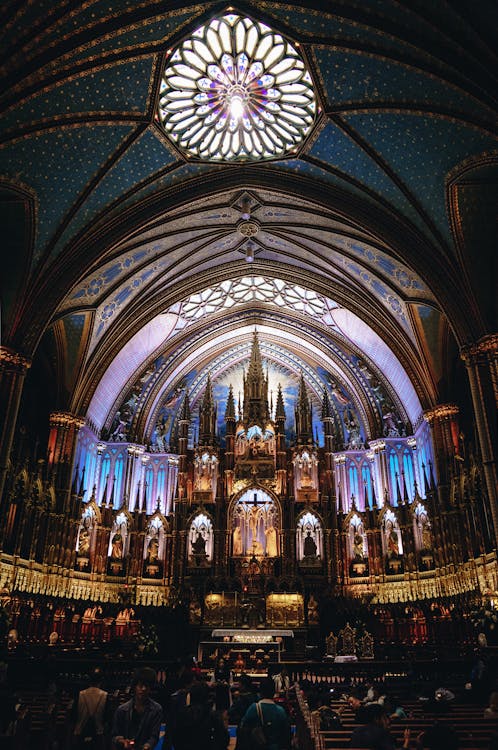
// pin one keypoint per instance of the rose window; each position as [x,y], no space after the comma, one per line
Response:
[236,91]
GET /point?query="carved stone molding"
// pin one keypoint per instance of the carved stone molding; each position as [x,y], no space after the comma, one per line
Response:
[441,412]
[486,346]
[12,360]
[66,419]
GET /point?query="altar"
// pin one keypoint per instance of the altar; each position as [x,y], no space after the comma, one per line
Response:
[244,650]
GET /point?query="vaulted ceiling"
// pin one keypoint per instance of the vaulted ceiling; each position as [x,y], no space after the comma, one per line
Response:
[127,261]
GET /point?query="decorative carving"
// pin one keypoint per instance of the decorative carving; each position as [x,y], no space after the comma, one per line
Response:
[11,360]
[487,345]
[440,412]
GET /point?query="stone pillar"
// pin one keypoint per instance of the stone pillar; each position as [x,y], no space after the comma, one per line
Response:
[380,472]
[341,482]
[481,360]
[13,368]
[443,420]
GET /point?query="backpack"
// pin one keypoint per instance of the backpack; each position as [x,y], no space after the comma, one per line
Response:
[88,731]
[258,736]
[89,738]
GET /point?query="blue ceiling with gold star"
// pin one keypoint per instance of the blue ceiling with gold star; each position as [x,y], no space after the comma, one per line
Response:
[122,224]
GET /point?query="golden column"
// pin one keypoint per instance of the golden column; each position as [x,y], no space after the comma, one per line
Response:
[481,360]
[13,368]
[64,428]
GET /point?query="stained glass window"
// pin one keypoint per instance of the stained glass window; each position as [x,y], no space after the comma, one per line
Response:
[248,289]
[236,91]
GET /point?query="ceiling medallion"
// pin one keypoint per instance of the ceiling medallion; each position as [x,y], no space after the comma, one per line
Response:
[248,228]
[236,91]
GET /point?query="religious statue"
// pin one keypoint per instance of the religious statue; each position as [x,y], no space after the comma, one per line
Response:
[254,523]
[271,541]
[306,478]
[390,426]
[203,479]
[309,547]
[352,425]
[117,546]
[153,550]
[313,617]
[195,612]
[426,537]
[162,428]
[199,548]
[118,429]
[358,546]
[237,541]
[84,540]
[392,544]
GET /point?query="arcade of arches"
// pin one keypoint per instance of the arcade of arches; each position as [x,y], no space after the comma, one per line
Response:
[248,371]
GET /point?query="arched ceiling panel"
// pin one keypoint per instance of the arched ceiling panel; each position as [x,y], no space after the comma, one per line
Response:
[422,151]
[88,94]
[353,78]
[335,148]
[126,225]
[58,168]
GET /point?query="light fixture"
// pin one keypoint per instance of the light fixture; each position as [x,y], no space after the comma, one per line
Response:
[249,252]
[245,206]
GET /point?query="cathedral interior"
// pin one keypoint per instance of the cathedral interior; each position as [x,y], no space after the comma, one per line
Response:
[248,361]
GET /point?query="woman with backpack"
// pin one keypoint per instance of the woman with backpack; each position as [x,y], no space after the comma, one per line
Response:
[90,719]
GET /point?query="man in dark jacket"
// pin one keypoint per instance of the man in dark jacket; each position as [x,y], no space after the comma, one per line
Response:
[138,721]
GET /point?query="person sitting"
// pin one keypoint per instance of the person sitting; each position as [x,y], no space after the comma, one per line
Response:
[442,701]
[137,722]
[395,709]
[358,708]
[325,716]
[440,735]
[273,718]
[374,733]
[491,711]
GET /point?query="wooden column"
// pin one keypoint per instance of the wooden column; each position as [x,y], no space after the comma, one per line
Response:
[13,368]
[481,360]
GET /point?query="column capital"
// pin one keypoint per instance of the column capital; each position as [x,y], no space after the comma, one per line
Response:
[377,445]
[12,360]
[441,412]
[65,419]
[486,346]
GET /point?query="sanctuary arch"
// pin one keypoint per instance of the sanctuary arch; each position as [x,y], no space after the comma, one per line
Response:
[255,525]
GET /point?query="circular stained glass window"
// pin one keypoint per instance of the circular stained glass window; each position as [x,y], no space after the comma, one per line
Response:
[236,91]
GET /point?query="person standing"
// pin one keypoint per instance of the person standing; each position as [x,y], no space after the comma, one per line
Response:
[273,718]
[137,722]
[90,718]
[197,726]
[281,681]
[222,680]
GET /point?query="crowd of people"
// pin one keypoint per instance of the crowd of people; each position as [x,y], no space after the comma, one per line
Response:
[195,715]
[191,709]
